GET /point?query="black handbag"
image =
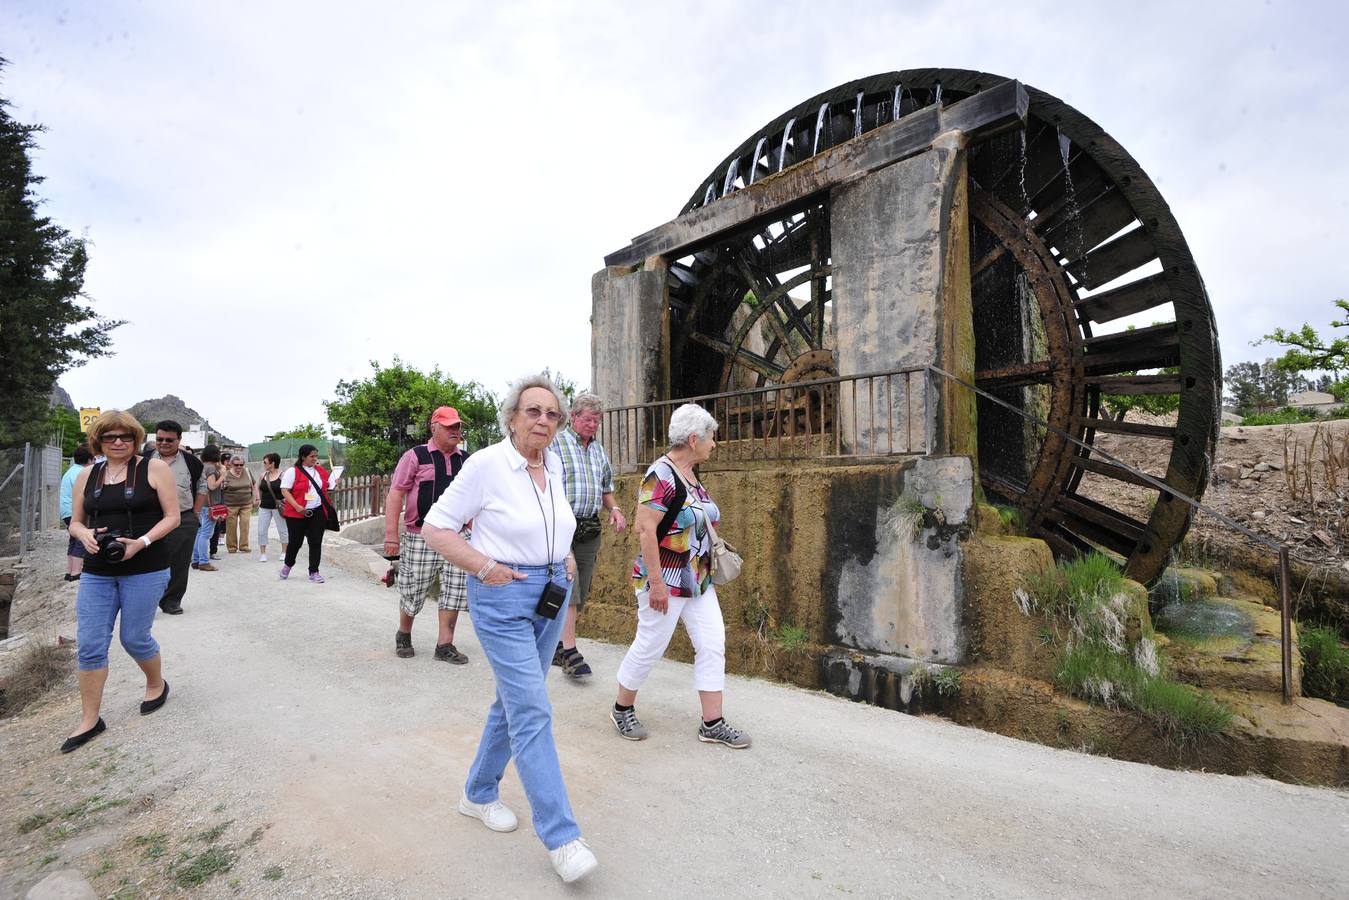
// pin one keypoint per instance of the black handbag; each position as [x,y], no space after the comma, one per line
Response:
[329,514]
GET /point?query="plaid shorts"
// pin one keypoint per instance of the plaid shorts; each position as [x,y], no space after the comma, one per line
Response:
[418,566]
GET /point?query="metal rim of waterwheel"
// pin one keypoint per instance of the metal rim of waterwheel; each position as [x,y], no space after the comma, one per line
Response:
[1059,208]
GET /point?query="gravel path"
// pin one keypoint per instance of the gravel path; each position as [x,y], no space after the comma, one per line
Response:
[334,767]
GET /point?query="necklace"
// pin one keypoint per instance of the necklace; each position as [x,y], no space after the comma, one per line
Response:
[532,465]
[109,476]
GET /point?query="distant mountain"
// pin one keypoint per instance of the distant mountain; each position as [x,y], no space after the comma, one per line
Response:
[171,407]
[61,398]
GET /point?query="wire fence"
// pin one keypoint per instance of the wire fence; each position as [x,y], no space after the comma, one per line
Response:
[30,495]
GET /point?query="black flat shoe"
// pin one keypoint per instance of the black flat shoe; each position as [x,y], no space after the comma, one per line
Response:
[76,741]
[149,706]
[171,610]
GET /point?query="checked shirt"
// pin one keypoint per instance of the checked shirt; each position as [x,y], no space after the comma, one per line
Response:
[589,476]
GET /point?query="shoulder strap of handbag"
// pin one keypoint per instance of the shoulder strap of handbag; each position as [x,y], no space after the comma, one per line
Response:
[711,529]
[323,498]
[672,511]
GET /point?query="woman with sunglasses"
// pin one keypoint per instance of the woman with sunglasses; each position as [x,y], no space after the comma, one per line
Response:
[514,493]
[121,510]
[267,499]
[237,490]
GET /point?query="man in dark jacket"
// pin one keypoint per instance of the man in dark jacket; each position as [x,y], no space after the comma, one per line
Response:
[186,469]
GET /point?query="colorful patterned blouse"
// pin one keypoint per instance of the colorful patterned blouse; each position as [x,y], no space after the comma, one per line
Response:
[686,551]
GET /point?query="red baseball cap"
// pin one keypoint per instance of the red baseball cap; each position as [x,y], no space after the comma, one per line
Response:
[445,415]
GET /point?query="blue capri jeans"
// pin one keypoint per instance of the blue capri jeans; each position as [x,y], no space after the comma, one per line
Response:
[519,647]
[99,601]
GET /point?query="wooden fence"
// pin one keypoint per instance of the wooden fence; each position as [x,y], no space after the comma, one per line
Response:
[360,497]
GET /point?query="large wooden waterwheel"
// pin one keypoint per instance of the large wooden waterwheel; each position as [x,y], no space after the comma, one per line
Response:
[1069,237]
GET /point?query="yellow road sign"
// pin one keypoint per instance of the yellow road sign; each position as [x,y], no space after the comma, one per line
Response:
[87,417]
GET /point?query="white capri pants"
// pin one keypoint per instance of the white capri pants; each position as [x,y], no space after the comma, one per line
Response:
[702,620]
[266,516]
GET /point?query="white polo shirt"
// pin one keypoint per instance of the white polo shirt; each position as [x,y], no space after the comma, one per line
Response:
[513,521]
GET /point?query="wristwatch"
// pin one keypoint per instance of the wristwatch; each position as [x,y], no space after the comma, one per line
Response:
[145,539]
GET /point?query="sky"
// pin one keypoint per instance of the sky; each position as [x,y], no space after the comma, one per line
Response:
[276,194]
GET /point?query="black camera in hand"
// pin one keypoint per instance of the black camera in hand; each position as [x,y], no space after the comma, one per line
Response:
[110,549]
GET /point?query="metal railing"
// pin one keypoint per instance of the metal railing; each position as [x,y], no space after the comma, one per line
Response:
[1285,569]
[847,416]
[360,497]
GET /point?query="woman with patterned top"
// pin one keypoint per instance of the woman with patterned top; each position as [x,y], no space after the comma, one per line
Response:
[675,518]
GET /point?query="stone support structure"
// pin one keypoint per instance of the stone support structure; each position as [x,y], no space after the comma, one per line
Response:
[629,344]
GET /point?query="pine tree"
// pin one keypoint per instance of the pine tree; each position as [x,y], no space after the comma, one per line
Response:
[46,328]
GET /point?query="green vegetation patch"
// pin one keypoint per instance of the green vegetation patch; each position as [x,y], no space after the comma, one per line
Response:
[792,637]
[1325,663]
[193,871]
[1088,610]
[154,843]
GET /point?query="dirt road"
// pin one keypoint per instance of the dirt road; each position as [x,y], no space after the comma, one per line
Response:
[334,767]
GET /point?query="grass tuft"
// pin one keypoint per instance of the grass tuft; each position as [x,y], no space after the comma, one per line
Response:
[273,873]
[792,637]
[155,843]
[195,871]
[40,668]
[1325,663]
[905,517]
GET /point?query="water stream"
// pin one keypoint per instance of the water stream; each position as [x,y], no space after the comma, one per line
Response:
[820,120]
[754,160]
[786,136]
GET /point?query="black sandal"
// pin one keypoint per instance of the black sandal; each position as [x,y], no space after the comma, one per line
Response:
[149,706]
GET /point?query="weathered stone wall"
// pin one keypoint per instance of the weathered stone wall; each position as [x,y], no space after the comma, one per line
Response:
[820,554]
[901,295]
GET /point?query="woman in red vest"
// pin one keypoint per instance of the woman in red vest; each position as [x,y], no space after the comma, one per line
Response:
[305,489]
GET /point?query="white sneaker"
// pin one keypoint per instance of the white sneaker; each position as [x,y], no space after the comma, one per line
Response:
[573,861]
[495,815]
[262,558]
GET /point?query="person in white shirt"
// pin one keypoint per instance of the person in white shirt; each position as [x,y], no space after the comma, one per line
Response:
[305,488]
[520,581]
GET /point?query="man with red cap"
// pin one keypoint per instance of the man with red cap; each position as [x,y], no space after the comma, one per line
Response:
[420,478]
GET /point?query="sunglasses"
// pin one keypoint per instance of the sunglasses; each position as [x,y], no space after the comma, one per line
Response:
[117,438]
[160,440]
[533,412]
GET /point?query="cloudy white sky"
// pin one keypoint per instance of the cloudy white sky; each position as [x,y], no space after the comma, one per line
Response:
[278,193]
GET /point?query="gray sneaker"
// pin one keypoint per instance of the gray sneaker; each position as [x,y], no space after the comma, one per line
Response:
[627,724]
[723,733]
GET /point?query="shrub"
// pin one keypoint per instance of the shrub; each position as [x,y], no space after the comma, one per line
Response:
[41,668]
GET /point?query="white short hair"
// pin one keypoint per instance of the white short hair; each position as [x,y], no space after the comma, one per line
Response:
[510,404]
[587,401]
[689,420]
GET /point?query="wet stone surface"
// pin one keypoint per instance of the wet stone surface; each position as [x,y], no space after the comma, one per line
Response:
[1205,619]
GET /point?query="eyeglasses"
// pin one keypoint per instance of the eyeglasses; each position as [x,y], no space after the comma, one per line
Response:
[533,412]
[116,438]
[160,440]
[237,465]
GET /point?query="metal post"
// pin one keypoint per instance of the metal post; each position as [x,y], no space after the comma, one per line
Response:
[1285,626]
[23,499]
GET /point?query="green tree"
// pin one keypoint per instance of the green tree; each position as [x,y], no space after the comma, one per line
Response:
[1259,387]
[308,431]
[385,414]
[63,424]
[45,329]
[1309,352]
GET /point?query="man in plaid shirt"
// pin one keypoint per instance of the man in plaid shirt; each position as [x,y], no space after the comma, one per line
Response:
[590,489]
[420,478]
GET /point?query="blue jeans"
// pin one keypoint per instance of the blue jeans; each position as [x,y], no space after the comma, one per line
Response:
[101,598]
[519,647]
[201,548]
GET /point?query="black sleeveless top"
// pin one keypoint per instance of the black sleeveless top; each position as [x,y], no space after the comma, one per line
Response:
[269,493]
[110,506]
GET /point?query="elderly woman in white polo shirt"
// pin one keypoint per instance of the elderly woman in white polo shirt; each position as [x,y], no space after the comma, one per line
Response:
[520,580]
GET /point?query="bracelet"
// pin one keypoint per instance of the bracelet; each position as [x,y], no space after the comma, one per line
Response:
[487,569]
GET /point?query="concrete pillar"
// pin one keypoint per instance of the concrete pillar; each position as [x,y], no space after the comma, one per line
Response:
[900,257]
[629,353]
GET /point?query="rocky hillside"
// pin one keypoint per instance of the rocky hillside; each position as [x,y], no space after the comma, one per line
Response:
[172,407]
